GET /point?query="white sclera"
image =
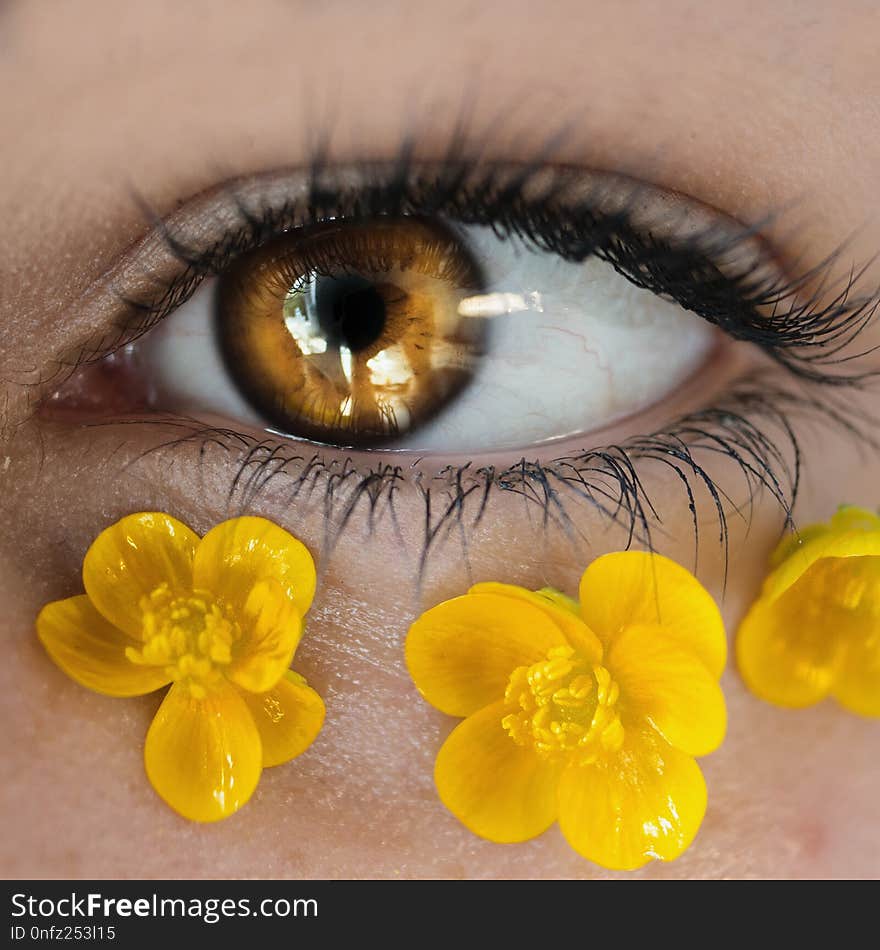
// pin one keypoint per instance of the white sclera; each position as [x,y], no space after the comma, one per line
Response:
[591,349]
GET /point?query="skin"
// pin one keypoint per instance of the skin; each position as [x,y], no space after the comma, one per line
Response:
[745,106]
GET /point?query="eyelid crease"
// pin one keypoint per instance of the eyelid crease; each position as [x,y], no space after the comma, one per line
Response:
[665,242]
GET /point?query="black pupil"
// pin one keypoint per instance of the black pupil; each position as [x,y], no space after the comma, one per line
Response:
[351,311]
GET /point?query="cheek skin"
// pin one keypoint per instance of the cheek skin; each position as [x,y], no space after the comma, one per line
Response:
[790,794]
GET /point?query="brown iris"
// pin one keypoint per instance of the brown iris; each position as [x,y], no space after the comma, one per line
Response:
[351,333]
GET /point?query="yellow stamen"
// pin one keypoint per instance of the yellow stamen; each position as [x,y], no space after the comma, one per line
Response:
[563,707]
[191,636]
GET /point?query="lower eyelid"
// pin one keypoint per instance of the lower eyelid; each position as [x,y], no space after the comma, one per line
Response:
[717,457]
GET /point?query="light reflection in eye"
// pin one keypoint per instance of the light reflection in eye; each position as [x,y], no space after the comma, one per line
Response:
[390,367]
[304,333]
[345,362]
[500,304]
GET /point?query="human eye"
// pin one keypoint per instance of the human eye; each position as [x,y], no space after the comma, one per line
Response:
[449,319]
[437,314]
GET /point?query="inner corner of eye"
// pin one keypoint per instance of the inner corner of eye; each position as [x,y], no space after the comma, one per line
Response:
[407,333]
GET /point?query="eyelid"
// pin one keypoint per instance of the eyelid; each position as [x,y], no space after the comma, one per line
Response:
[661,240]
[209,230]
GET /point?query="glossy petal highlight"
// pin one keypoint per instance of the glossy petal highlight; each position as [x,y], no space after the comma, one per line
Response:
[271,628]
[846,518]
[203,756]
[131,559]
[235,555]
[288,717]
[645,803]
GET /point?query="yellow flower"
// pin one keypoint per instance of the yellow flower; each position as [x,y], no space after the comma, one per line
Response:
[217,618]
[814,631]
[590,715]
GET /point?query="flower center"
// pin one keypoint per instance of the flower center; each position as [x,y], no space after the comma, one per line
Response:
[191,636]
[563,707]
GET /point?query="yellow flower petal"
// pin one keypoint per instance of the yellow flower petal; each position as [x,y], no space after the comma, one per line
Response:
[461,653]
[830,544]
[854,517]
[857,685]
[669,687]
[562,601]
[203,756]
[846,518]
[558,608]
[646,801]
[271,630]
[288,717]
[635,587]
[498,789]
[92,651]
[789,649]
[131,558]
[235,554]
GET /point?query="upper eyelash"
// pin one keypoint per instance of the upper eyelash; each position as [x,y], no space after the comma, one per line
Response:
[800,328]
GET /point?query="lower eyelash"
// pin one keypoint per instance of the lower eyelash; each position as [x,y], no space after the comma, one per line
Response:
[752,428]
